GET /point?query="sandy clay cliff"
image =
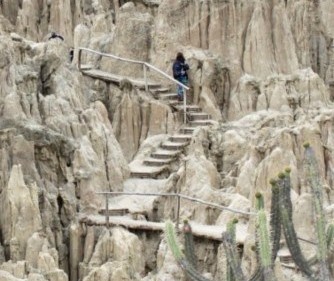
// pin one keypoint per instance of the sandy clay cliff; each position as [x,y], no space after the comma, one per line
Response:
[263,70]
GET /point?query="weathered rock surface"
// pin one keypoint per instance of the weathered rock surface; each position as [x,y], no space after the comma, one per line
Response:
[263,69]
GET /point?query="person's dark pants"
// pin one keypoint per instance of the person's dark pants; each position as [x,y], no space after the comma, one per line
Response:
[180,90]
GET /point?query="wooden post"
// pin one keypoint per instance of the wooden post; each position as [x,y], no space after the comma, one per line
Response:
[184,106]
[116,8]
[178,212]
[79,59]
[145,78]
[107,210]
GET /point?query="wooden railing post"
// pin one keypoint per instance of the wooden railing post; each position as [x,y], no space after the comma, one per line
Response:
[145,77]
[178,212]
[184,105]
[107,210]
[79,59]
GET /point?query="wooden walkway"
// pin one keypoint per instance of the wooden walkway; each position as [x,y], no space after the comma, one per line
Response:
[211,232]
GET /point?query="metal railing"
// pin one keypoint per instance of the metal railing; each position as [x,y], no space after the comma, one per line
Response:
[146,66]
[178,203]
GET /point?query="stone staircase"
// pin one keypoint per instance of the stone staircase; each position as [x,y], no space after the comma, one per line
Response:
[159,163]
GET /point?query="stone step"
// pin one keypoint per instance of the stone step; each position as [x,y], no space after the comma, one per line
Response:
[160,90]
[165,154]
[156,162]
[190,108]
[146,172]
[169,96]
[114,211]
[174,103]
[187,130]
[174,145]
[180,138]
[197,123]
[198,116]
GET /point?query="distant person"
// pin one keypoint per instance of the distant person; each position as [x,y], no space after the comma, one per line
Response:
[180,68]
[55,35]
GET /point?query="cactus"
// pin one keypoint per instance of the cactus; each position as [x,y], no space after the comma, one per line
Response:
[263,241]
[257,275]
[275,221]
[330,237]
[189,244]
[173,244]
[231,229]
[313,179]
[191,272]
[267,245]
[285,205]
[259,202]
[233,256]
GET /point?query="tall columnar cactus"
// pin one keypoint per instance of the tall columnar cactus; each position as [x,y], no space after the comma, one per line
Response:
[233,256]
[231,229]
[281,214]
[189,247]
[313,179]
[330,237]
[264,240]
[275,220]
[173,244]
[291,239]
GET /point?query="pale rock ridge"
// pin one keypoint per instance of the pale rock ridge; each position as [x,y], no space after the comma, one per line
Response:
[50,121]
[117,255]
[256,37]
[289,93]
[136,117]
[20,211]
[133,30]
[166,267]
[258,57]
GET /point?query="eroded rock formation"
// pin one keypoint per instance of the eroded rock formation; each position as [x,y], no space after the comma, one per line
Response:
[262,69]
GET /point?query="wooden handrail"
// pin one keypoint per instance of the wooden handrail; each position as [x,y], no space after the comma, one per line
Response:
[131,61]
[145,66]
[179,197]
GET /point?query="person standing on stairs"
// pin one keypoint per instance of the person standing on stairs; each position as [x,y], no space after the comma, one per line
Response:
[180,68]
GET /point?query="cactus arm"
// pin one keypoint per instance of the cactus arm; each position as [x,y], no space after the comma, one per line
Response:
[293,244]
[312,174]
[275,221]
[257,275]
[264,248]
[330,237]
[232,256]
[191,272]
[189,247]
[231,229]
[173,244]
[285,205]
[264,244]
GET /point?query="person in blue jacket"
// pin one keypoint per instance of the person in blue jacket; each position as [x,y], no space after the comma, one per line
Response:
[180,68]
